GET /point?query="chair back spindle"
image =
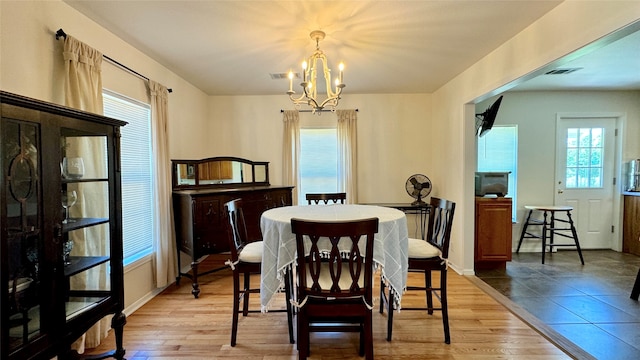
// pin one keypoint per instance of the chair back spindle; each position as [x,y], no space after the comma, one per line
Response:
[325,198]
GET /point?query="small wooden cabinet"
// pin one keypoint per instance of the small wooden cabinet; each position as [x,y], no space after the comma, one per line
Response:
[60,269]
[198,206]
[631,225]
[492,232]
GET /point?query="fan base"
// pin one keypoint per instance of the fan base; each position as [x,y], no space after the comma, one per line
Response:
[419,202]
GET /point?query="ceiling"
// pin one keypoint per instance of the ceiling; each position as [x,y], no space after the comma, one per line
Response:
[403,46]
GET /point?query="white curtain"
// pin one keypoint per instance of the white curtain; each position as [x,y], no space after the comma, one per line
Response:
[291,151]
[347,154]
[83,90]
[165,250]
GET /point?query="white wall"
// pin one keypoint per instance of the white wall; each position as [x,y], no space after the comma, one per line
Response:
[535,114]
[31,65]
[394,142]
[568,27]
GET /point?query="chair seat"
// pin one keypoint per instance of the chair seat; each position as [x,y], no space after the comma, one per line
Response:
[420,249]
[251,253]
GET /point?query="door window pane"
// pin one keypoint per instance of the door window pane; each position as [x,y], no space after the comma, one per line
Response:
[584,157]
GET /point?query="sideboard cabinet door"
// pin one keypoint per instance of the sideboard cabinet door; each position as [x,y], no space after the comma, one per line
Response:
[493,232]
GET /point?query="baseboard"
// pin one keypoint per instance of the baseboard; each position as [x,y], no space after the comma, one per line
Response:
[143,300]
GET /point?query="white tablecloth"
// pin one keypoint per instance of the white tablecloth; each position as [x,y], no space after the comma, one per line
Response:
[390,247]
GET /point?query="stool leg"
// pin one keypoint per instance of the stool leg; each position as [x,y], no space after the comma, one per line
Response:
[552,226]
[524,230]
[575,236]
[544,235]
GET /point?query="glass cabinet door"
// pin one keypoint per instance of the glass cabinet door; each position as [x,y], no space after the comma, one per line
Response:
[84,215]
[22,205]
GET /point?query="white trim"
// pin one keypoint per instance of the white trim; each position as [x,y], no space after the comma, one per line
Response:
[138,263]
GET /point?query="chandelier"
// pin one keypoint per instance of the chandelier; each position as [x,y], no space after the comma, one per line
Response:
[310,85]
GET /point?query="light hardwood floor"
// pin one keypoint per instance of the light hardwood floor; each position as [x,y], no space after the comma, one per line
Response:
[174,325]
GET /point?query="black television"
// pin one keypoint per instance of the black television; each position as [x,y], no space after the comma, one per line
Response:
[485,120]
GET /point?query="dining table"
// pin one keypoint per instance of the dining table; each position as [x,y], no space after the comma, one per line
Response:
[390,247]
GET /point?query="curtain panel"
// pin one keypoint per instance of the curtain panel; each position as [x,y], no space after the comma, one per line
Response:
[291,151]
[347,154]
[83,91]
[164,235]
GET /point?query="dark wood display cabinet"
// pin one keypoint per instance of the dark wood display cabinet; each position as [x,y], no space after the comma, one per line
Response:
[61,226]
[200,190]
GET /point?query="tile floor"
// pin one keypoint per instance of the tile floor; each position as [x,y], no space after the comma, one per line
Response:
[589,305]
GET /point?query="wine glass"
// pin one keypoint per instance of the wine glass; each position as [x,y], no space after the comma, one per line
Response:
[72,168]
[68,200]
[67,246]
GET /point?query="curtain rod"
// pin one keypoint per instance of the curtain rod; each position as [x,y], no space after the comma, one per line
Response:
[323,110]
[60,33]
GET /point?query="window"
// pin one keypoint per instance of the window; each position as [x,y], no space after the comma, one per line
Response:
[318,162]
[584,157]
[137,171]
[498,151]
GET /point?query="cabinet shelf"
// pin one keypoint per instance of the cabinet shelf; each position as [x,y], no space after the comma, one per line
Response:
[82,263]
[79,223]
[77,181]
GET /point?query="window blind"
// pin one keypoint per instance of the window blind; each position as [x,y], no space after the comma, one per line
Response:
[136,175]
[498,151]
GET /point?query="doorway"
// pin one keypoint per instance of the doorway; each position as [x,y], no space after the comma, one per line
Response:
[584,175]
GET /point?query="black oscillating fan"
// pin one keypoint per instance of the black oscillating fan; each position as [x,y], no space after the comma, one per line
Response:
[418,186]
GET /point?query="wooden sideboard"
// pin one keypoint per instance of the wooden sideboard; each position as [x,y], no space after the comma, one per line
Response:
[492,232]
[199,209]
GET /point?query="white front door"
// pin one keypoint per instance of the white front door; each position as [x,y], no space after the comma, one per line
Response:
[584,176]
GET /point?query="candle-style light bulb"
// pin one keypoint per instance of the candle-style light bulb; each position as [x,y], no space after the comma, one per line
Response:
[304,71]
[290,80]
[341,67]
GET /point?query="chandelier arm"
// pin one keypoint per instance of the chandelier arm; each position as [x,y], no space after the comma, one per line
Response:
[330,101]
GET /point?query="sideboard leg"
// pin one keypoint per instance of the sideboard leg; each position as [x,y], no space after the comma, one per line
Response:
[196,288]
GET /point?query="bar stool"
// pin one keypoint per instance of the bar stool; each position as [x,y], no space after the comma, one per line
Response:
[549,228]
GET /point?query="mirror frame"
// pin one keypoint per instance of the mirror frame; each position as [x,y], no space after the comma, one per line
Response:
[194,164]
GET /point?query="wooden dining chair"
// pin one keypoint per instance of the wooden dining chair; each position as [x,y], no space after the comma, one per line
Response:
[326,198]
[428,256]
[335,280]
[246,259]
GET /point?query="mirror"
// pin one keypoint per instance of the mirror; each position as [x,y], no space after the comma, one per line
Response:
[219,172]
